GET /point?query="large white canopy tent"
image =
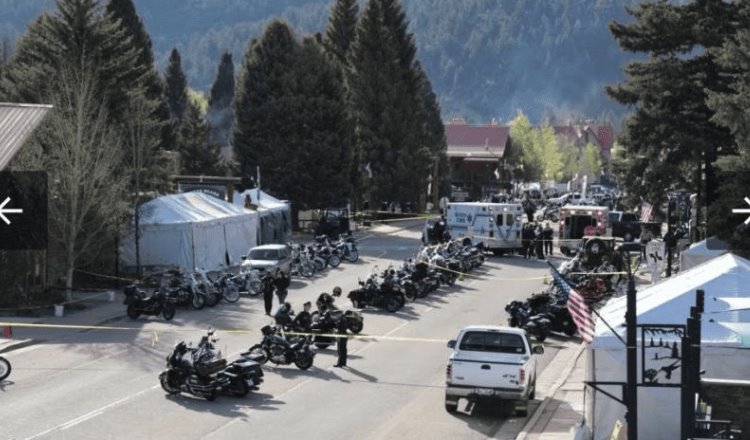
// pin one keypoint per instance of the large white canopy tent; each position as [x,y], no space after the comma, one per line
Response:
[725,345]
[275,216]
[701,252]
[190,230]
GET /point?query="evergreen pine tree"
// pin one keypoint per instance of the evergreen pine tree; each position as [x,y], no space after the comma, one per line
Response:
[670,136]
[77,32]
[176,86]
[261,115]
[198,156]
[730,108]
[125,11]
[388,106]
[340,31]
[220,102]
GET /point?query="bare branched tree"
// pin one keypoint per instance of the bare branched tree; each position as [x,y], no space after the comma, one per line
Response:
[142,139]
[83,156]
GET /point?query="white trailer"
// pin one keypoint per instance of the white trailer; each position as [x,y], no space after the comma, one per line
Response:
[495,226]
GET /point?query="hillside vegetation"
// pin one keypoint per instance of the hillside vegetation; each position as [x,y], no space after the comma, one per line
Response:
[485,58]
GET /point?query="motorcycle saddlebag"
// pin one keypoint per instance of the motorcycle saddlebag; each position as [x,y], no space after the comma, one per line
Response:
[210,367]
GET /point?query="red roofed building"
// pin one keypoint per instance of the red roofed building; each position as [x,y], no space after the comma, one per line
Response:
[579,135]
[475,152]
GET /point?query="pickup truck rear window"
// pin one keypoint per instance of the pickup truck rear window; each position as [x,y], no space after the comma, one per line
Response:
[493,342]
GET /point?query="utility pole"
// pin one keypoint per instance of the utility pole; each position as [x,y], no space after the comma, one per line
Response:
[631,385]
[631,397]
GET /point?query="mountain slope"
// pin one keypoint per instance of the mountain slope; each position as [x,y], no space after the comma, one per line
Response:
[485,58]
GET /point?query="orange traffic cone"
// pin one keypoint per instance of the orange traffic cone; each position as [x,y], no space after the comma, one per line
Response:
[7,331]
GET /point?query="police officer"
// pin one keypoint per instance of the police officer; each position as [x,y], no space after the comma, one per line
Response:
[341,342]
[281,282]
[267,287]
[303,320]
[547,234]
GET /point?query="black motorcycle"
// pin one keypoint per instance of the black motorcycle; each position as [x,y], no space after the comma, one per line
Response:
[280,351]
[200,372]
[4,368]
[385,296]
[347,247]
[140,303]
[325,324]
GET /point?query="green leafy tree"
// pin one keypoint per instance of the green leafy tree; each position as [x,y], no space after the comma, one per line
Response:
[197,155]
[176,86]
[591,163]
[670,136]
[220,102]
[340,31]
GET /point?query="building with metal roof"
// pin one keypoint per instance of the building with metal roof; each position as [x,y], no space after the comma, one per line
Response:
[17,122]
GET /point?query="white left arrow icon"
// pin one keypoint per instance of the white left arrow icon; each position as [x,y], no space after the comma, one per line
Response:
[4,210]
[734,211]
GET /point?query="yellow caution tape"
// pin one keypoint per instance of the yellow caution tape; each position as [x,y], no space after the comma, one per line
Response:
[155,334]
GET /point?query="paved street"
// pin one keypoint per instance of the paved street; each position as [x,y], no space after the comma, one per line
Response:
[103,383]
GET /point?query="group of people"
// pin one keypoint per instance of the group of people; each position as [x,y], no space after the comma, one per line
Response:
[536,239]
[301,322]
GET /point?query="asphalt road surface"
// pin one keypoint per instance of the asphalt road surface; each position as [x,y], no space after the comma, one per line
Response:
[102,384]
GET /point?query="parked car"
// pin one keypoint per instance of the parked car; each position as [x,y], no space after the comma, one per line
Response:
[491,363]
[268,257]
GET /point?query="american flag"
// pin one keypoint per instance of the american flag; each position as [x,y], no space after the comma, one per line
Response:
[646,210]
[579,311]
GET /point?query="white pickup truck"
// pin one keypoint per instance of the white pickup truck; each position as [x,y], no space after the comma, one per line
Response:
[491,363]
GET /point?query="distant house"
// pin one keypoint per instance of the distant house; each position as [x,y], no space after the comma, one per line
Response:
[579,135]
[475,153]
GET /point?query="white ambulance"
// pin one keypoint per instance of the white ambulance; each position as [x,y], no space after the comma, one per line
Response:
[495,226]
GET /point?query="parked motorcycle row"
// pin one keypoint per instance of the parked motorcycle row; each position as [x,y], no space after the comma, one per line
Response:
[433,266]
[196,289]
[309,259]
[546,312]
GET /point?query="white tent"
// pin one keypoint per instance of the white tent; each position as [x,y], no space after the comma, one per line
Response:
[702,251]
[725,345]
[275,216]
[190,230]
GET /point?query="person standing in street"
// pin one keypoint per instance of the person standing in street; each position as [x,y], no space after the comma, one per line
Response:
[341,342]
[281,282]
[547,235]
[538,242]
[267,287]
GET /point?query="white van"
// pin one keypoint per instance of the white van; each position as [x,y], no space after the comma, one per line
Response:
[495,226]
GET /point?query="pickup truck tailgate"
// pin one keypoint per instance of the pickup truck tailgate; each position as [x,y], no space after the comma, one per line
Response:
[484,359]
[497,372]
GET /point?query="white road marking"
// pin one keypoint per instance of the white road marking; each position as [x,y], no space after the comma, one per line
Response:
[92,414]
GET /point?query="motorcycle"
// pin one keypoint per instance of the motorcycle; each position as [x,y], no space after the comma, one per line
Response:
[140,303]
[228,287]
[201,372]
[386,296]
[347,248]
[4,368]
[204,285]
[325,323]
[278,350]
[184,289]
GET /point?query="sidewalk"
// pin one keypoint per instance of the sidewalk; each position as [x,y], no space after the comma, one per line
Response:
[562,407]
[87,309]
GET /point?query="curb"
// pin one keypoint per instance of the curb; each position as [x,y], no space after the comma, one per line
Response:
[567,370]
[17,345]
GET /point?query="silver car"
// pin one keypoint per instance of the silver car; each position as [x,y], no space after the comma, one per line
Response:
[269,257]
